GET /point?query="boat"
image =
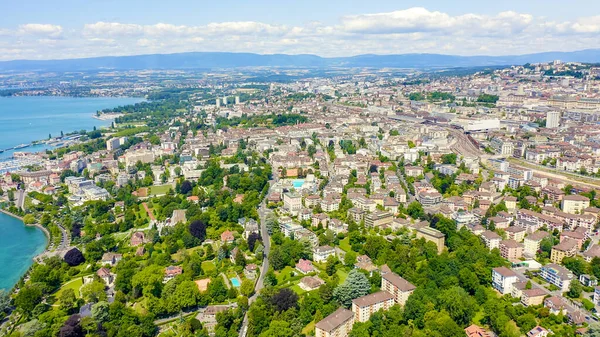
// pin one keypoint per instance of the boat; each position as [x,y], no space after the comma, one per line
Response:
[22,146]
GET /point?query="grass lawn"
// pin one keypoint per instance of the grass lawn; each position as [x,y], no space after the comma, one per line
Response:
[161,189]
[478,317]
[284,275]
[310,327]
[208,266]
[342,274]
[177,256]
[140,307]
[345,244]
[296,288]
[74,284]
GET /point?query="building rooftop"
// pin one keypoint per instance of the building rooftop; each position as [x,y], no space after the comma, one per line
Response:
[372,299]
[334,320]
[399,282]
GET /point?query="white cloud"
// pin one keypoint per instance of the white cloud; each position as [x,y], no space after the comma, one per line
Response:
[41,29]
[419,19]
[412,30]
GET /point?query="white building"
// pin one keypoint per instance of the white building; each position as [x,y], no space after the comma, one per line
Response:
[503,279]
[552,119]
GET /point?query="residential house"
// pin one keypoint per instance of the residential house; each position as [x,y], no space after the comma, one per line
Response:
[305,266]
[320,254]
[171,272]
[310,283]
[534,296]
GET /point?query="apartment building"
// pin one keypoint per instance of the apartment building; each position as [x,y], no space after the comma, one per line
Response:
[491,239]
[364,307]
[574,204]
[532,242]
[397,286]
[503,280]
[567,248]
[338,324]
[511,250]
[557,275]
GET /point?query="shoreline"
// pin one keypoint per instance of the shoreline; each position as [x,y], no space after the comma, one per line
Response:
[40,227]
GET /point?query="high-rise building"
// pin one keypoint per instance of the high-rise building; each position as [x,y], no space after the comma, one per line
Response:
[218,102]
[237,99]
[225,100]
[552,119]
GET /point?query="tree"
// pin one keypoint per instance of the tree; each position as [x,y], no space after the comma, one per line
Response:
[100,311]
[239,258]
[575,289]
[355,286]
[330,266]
[252,238]
[198,229]
[459,305]
[27,298]
[350,259]
[71,328]
[284,299]
[186,187]
[28,219]
[247,288]
[74,257]
[4,301]
[67,300]
[93,292]
[415,210]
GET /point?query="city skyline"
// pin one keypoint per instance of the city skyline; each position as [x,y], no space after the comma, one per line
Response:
[37,30]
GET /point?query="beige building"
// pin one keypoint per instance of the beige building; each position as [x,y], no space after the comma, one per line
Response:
[397,286]
[532,242]
[567,248]
[364,307]
[292,202]
[574,204]
[378,218]
[511,250]
[144,156]
[533,296]
[338,324]
[433,235]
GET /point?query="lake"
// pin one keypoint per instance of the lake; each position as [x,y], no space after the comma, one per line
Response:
[26,119]
[19,244]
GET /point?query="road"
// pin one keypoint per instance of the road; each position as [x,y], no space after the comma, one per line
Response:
[263,212]
[20,199]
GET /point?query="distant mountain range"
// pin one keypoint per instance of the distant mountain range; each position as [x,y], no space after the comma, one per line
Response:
[211,60]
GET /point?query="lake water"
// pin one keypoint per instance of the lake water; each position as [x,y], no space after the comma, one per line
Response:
[26,119]
[18,245]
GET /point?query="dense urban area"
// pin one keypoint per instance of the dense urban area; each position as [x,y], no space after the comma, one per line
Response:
[307,202]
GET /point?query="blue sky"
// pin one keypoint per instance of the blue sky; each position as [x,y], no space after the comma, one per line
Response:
[36,29]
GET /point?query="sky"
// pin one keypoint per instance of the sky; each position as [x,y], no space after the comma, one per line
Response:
[62,29]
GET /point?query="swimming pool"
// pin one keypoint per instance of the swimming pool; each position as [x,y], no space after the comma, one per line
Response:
[298,183]
[235,282]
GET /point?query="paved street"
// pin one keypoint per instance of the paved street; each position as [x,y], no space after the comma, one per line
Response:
[263,212]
